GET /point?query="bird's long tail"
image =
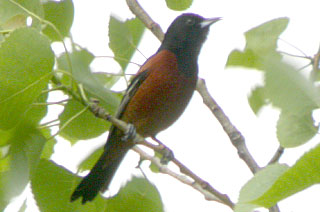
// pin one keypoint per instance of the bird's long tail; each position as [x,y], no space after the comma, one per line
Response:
[103,171]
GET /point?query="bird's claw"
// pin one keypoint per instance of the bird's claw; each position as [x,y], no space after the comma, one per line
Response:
[167,156]
[130,133]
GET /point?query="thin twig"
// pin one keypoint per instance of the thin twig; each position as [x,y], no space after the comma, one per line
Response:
[276,155]
[136,9]
[68,122]
[305,66]
[274,209]
[185,170]
[57,88]
[51,103]
[293,46]
[48,126]
[117,58]
[293,55]
[49,122]
[204,185]
[299,56]
[234,134]
[315,65]
[199,185]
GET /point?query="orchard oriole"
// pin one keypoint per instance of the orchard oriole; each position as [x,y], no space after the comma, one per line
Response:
[155,98]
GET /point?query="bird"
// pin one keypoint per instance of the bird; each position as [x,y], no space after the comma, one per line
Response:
[155,98]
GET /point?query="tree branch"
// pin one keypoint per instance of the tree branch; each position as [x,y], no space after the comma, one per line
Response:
[185,170]
[235,136]
[274,209]
[153,26]
[204,188]
[276,155]
[316,64]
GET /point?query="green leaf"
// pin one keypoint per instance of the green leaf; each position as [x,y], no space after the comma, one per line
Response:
[305,173]
[15,22]
[48,148]
[61,15]
[4,196]
[107,80]
[33,146]
[84,126]
[138,195]
[260,41]
[89,162]
[52,186]
[36,112]
[257,99]
[153,167]
[294,129]
[12,16]
[179,5]
[246,59]
[257,186]
[124,38]
[5,136]
[26,62]
[288,89]
[263,38]
[80,61]
[23,207]
[5,159]
[32,117]
[25,150]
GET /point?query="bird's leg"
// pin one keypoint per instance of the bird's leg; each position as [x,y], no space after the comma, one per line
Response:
[167,154]
[130,133]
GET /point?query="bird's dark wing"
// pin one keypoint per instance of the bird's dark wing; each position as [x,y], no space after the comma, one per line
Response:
[131,90]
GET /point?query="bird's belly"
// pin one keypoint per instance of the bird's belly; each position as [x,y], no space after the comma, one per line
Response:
[165,101]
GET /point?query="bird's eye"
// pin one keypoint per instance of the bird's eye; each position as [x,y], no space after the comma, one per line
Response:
[190,21]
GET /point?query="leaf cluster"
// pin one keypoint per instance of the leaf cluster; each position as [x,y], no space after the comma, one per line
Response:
[297,97]
[30,71]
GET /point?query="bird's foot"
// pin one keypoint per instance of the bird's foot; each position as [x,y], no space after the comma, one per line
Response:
[130,133]
[167,155]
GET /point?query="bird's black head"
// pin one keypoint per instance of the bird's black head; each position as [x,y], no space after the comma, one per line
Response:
[186,35]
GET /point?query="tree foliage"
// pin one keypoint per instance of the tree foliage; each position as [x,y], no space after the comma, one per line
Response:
[29,70]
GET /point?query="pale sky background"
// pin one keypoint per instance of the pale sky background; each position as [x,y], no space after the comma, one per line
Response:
[196,138]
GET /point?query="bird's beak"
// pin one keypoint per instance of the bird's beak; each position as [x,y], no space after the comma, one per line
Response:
[207,22]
